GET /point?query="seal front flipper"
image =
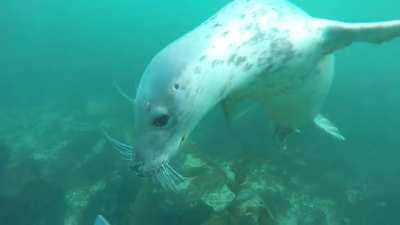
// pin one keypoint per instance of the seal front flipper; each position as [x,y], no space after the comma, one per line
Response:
[337,35]
[281,135]
[233,111]
[232,114]
[229,108]
[327,126]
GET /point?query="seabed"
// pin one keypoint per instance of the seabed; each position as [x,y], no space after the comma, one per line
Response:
[57,168]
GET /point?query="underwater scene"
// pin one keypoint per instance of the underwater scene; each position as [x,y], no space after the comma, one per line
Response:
[228,125]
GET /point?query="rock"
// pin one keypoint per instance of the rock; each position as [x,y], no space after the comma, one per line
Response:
[219,199]
[206,194]
[251,211]
[223,218]
[112,198]
[154,207]
[307,210]
[17,176]
[78,199]
[249,190]
[209,185]
[39,202]
[4,156]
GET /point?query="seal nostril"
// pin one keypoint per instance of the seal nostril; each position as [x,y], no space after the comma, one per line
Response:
[176,86]
[161,120]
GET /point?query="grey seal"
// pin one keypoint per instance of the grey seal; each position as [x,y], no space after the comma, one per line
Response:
[269,51]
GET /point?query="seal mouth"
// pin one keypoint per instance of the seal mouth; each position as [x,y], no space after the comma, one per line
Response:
[165,174]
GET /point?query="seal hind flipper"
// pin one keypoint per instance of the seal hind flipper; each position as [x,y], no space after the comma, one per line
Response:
[338,35]
[100,220]
[327,126]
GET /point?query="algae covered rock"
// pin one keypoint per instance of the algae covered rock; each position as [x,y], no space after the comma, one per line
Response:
[223,218]
[219,198]
[32,203]
[209,185]
[250,211]
[307,210]
[247,191]
[57,171]
[206,193]
[78,171]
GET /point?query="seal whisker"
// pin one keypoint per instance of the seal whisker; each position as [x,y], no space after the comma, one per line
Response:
[122,93]
[160,179]
[124,149]
[168,179]
[123,152]
[176,174]
[164,182]
[115,141]
[128,157]
[174,183]
[172,177]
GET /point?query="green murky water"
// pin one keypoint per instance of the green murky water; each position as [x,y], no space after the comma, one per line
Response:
[58,60]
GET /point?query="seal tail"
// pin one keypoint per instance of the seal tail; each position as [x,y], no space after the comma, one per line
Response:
[100,220]
[338,35]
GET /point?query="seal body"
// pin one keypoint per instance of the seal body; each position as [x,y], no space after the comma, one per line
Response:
[263,50]
[269,51]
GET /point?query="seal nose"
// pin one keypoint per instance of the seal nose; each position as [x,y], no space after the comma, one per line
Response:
[136,168]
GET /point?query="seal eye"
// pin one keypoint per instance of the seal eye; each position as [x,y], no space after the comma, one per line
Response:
[161,121]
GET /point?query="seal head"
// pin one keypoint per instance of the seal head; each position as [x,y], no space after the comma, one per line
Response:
[163,116]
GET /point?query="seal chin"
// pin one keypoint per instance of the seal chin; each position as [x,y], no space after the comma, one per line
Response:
[169,178]
[144,171]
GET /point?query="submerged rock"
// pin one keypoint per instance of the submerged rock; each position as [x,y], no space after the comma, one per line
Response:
[306,210]
[4,156]
[250,211]
[219,199]
[248,190]
[38,203]
[223,218]
[113,198]
[206,194]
